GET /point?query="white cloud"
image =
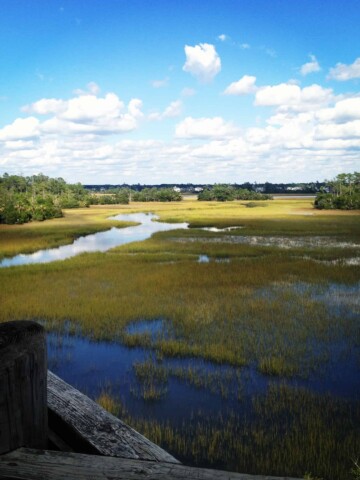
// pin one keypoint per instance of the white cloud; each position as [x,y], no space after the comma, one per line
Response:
[310,67]
[290,96]
[223,37]
[202,61]
[89,108]
[309,134]
[171,111]
[204,128]
[244,46]
[277,94]
[134,108]
[244,86]
[92,88]
[21,128]
[86,114]
[160,83]
[343,131]
[19,144]
[343,72]
[45,106]
[342,112]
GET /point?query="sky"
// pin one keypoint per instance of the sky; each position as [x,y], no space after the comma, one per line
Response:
[178,91]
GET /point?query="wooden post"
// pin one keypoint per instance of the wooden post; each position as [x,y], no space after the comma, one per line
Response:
[23,386]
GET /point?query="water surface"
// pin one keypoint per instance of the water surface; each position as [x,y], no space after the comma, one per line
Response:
[99,242]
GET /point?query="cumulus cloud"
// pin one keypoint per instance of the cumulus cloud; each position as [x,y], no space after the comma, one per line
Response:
[45,106]
[21,128]
[134,108]
[343,72]
[309,131]
[244,86]
[202,61]
[89,108]
[310,67]
[342,112]
[291,96]
[204,128]
[85,114]
[171,111]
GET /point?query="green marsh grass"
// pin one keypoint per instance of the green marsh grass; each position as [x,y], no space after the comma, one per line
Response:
[291,431]
[267,307]
[109,403]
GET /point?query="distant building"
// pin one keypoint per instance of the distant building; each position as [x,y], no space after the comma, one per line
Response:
[198,189]
[177,189]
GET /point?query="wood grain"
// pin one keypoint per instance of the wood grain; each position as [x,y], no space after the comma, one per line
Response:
[23,377]
[48,465]
[88,428]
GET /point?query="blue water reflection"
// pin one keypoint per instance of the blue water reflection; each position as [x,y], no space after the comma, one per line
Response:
[99,242]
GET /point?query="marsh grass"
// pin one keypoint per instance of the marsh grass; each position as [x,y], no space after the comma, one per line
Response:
[308,432]
[109,403]
[282,311]
[152,379]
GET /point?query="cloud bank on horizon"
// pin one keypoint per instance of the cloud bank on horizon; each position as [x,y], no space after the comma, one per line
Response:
[227,104]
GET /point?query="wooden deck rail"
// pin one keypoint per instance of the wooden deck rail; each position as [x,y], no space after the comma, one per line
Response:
[38,410]
[24,464]
[23,372]
[88,428]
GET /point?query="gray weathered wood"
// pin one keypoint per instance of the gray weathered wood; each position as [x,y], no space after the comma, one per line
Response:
[88,428]
[26,464]
[23,376]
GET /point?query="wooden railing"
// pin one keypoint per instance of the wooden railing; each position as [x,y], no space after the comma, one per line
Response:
[51,431]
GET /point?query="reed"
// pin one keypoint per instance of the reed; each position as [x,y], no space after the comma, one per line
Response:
[309,432]
[287,312]
[108,402]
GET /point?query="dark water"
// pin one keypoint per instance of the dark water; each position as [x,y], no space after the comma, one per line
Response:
[98,242]
[238,401]
[93,366]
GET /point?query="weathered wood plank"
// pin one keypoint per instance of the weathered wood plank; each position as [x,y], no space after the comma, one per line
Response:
[26,464]
[23,374]
[88,428]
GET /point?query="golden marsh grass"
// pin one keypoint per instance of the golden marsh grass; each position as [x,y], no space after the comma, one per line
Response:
[281,311]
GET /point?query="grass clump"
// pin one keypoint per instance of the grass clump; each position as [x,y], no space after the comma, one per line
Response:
[276,366]
[108,402]
[152,380]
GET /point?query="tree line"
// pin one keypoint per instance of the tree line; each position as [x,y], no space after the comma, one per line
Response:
[343,193]
[224,193]
[37,197]
[126,195]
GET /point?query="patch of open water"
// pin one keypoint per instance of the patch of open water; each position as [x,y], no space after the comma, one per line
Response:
[92,366]
[268,241]
[99,242]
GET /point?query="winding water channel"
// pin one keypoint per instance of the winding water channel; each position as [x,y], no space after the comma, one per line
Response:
[98,242]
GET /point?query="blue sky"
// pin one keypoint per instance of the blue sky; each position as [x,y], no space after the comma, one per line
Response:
[157,91]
